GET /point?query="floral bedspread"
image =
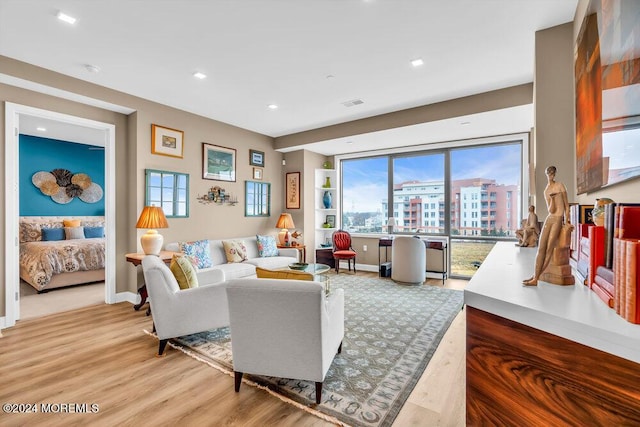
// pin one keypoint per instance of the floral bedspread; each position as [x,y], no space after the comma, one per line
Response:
[39,261]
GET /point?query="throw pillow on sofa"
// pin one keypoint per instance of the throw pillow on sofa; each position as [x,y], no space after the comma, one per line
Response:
[184,272]
[235,250]
[197,252]
[267,246]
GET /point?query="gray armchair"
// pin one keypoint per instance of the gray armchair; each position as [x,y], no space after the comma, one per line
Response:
[179,312]
[284,328]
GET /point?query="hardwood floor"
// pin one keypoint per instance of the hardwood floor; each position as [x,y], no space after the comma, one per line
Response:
[100,355]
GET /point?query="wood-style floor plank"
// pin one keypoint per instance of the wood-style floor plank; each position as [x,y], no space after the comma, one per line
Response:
[101,355]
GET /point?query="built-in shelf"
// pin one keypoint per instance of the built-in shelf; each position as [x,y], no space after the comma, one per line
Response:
[323,235]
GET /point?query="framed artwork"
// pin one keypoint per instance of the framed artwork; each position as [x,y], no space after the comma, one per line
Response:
[218,163]
[256,158]
[292,190]
[257,173]
[167,141]
[331,220]
[586,216]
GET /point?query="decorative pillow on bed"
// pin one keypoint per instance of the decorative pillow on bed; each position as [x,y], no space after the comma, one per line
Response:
[71,222]
[74,232]
[91,232]
[235,250]
[183,270]
[197,252]
[267,246]
[30,232]
[51,234]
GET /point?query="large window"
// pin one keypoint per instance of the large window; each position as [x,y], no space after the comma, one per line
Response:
[169,190]
[470,191]
[365,184]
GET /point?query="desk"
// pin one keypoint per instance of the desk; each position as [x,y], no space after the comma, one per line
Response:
[136,259]
[301,248]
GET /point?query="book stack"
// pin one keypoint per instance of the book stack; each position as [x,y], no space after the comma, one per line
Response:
[626,264]
[578,214]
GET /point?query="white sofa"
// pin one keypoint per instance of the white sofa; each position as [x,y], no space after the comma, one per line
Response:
[238,270]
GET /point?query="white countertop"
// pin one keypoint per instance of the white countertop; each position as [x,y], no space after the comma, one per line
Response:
[572,312]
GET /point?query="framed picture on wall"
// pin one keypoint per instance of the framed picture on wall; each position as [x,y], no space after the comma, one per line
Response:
[166,141]
[292,190]
[257,173]
[218,163]
[256,158]
[331,220]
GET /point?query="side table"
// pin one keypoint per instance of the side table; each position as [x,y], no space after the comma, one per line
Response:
[301,248]
[136,259]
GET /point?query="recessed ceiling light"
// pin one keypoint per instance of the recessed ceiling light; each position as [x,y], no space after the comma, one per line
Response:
[92,68]
[41,129]
[66,18]
[417,62]
[199,75]
[272,106]
[465,123]
[348,142]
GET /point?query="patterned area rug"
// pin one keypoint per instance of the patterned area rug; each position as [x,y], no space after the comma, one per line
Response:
[391,333]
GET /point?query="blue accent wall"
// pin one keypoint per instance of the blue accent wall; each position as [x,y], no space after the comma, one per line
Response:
[44,154]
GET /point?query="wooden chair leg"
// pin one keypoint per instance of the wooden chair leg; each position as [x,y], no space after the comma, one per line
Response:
[237,380]
[340,348]
[354,266]
[318,392]
[163,344]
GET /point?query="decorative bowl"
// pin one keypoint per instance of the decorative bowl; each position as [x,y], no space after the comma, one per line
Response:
[298,265]
[326,245]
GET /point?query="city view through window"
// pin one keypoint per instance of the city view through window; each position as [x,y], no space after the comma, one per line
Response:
[484,196]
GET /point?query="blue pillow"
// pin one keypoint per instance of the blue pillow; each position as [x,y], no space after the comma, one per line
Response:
[51,234]
[267,246]
[198,252]
[91,232]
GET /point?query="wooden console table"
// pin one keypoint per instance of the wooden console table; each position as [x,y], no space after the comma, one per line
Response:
[136,259]
[545,355]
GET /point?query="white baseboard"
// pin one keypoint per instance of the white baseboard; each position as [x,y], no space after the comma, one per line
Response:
[128,296]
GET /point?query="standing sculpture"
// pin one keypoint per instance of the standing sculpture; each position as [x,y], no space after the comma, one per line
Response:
[552,258]
[530,230]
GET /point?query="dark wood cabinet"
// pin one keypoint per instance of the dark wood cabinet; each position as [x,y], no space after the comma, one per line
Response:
[325,256]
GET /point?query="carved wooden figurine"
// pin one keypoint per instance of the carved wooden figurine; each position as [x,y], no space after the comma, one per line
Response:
[552,259]
[530,230]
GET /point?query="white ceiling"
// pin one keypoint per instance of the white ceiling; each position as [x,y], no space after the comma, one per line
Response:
[262,52]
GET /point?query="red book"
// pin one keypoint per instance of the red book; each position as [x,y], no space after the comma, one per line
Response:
[602,294]
[628,222]
[596,250]
[631,302]
[604,284]
[618,273]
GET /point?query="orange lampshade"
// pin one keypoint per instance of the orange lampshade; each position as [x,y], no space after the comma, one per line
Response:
[152,217]
[285,221]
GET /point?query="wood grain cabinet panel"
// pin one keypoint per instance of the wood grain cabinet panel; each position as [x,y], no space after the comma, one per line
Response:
[521,376]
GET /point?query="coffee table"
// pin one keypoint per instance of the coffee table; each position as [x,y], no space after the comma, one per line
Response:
[318,271]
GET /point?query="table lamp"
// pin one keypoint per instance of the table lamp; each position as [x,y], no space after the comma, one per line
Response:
[152,217]
[284,223]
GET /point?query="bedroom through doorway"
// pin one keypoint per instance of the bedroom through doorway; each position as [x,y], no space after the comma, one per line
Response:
[97,140]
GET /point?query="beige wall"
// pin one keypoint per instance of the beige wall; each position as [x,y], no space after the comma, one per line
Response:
[133,155]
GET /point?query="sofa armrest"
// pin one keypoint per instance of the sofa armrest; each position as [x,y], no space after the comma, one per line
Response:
[290,252]
[210,276]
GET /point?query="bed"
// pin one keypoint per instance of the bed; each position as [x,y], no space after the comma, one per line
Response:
[61,256]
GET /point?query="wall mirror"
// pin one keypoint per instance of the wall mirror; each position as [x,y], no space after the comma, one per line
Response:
[258,198]
[169,190]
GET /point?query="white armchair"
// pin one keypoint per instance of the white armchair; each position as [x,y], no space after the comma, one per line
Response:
[284,328]
[179,312]
[408,260]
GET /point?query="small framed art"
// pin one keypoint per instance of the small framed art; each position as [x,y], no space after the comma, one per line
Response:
[292,190]
[218,163]
[167,141]
[257,173]
[331,220]
[256,158]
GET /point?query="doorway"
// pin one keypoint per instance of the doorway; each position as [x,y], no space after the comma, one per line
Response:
[13,115]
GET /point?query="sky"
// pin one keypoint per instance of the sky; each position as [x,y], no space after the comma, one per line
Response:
[365,180]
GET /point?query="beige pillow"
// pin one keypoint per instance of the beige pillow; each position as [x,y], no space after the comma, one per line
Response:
[235,250]
[71,223]
[74,233]
[184,272]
